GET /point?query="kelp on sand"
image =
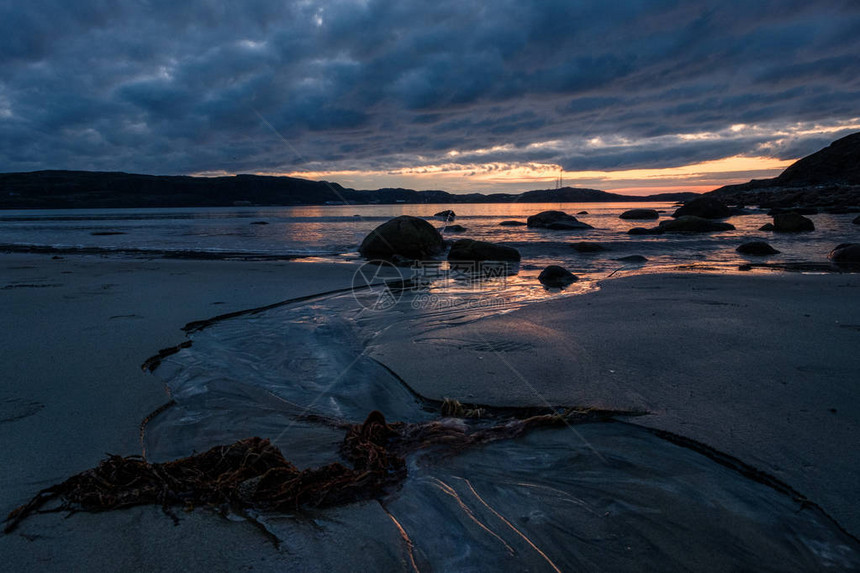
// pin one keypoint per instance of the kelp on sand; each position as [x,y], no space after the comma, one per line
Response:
[253,474]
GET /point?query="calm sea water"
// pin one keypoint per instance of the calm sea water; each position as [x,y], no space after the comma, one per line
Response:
[334,233]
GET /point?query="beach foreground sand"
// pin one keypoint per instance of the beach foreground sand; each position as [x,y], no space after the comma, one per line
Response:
[762,368]
[74,333]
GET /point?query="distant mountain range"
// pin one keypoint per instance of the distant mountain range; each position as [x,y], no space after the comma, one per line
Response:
[88,189]
[828,177]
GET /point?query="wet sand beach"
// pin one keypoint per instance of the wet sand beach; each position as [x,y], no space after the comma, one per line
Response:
[762,367]
[758,368]
[75,332]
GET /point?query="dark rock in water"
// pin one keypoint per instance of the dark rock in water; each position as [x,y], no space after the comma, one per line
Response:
[447,214]
[469,250]
[798,210]
[846,254]
[568,226]
[792,223]
[106,233]
[586,247]
[512,224]
[259,222]
[632,259]
[704,207]
[560,220]
[582,213]
[454,229]
[756,248]
[766,227]
[644,231]
[406,236]
[745,267]
[691,224]
[856,220]
[640,214]
[555,276]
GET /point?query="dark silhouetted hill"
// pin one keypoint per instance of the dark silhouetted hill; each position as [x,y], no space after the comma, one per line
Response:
[829,178]
[88,189]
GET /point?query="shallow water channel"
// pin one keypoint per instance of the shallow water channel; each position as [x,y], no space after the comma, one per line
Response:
[607,496]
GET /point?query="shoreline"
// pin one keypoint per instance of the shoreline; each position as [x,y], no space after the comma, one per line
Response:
[99,319]
[181,254]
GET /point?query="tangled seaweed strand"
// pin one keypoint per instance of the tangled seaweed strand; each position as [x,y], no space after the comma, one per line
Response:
[253,474]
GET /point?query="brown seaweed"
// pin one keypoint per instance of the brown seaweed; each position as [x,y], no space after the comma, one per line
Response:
[253,474]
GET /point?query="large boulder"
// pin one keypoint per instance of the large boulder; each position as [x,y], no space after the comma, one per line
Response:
[640,214]
[759,248]
[477,251]
[555,276]
[704,207]
[691,224]
[453,229]
[846,254]
[447,214]
[557,220]
[792,223]
[405,236]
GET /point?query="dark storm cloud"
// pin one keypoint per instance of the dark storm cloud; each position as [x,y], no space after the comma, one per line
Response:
[178,87]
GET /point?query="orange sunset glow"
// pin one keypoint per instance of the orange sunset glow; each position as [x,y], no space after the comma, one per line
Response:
[499,177]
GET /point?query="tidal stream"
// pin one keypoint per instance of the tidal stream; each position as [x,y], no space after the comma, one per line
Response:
[607,496]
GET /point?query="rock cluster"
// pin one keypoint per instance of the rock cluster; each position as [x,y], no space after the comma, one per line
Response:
[704,207]
[759,248]
[556,220]
[846,254]
[478,251]
[404,236]
[684,224]
[639,214]
[792,223]
[555,276]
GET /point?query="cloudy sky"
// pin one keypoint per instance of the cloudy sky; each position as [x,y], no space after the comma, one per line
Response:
[466,96]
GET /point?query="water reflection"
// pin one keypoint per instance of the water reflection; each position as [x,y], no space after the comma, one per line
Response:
[335,230]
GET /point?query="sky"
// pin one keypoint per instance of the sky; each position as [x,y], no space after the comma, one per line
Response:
[629,96]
